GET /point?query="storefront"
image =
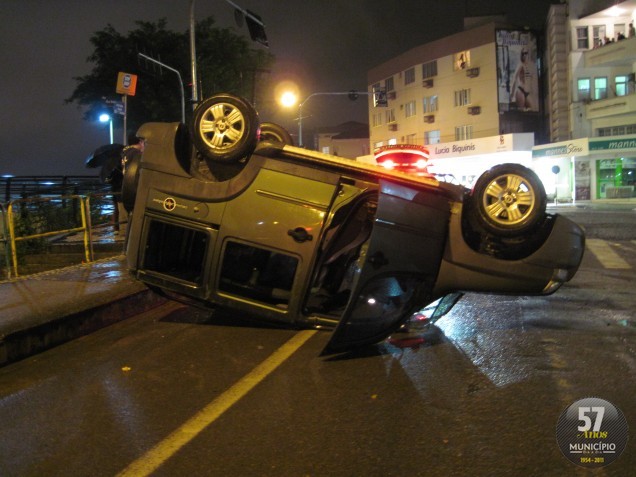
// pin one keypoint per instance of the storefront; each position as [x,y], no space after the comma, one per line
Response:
[467,160]
[587,168]
[615,166]
[464,161]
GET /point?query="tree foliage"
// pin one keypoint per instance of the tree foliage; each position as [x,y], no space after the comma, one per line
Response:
[225,62]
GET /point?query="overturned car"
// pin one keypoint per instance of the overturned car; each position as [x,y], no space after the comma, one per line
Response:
[229,213]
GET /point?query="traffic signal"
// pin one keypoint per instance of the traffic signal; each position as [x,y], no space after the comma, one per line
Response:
[256,28]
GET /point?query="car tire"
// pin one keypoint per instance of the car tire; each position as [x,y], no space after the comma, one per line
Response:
[508,200]
[129,183]
[225,128]
[276,133]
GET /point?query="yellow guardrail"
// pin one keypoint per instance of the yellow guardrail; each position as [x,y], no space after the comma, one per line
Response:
[30,219]
[14,238]
[4,231]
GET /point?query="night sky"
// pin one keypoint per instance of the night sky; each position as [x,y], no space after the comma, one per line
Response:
[324,45]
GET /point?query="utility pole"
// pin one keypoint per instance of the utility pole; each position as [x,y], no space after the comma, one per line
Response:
[255,26]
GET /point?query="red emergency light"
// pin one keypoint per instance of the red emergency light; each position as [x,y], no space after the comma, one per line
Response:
[403,157]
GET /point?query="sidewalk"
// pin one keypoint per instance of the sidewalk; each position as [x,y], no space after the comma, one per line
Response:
[44,310]
[596,204]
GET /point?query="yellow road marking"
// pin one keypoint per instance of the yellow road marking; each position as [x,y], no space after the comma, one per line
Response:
[156,456]
[605,254]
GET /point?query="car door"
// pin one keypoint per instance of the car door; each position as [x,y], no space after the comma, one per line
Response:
[267,241]
[400,267]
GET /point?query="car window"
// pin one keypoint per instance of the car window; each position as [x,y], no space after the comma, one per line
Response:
[257,273]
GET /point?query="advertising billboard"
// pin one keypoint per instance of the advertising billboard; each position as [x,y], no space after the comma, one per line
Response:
[517,72]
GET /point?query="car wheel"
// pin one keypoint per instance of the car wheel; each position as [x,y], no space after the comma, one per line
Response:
[274,132]
[225,128]
[509,200]
[129,183]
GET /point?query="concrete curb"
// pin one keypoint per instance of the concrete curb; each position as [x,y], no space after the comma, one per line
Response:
[42,312]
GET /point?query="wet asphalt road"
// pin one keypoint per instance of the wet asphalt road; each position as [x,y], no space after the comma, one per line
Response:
[480,394]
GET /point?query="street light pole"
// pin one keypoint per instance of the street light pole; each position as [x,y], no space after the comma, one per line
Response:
[352,94]
[107,117]
[180,82]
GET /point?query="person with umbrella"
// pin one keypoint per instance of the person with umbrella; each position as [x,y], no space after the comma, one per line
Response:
[112,159]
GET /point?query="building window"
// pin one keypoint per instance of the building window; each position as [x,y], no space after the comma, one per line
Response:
[582,39]
[376,119]
[462,97]
[409,76]
[621,85]
[619,31]
[390,115]
[409,109]
[432,137]
[598,35]
[583,88]
[429,69]
[388,84]
[600,88]
[429,104]
[617,130]
[463,132]
[411,139]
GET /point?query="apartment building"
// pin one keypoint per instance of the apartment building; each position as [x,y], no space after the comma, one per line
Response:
[562,102]
[591,101]
[473,98]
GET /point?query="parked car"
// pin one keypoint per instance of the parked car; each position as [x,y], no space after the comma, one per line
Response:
[227,212]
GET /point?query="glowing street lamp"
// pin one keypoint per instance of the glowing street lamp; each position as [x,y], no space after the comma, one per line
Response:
[289,99]
[106,118]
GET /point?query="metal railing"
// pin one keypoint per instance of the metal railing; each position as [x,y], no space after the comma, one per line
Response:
[23,187]
[30,225]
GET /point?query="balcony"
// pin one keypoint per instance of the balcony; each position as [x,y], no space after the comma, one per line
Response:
[603,108]
[619,53]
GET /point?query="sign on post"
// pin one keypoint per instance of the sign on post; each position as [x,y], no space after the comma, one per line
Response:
[126,83]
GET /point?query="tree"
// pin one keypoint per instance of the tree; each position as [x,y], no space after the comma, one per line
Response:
[225,62]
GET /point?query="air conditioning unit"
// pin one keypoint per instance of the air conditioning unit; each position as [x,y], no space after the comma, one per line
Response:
[474,110]
[429,118]
[391,95]
[472,72]
[393,127]
[427,83]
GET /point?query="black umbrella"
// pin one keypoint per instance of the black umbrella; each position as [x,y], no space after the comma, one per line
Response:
[104,155]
